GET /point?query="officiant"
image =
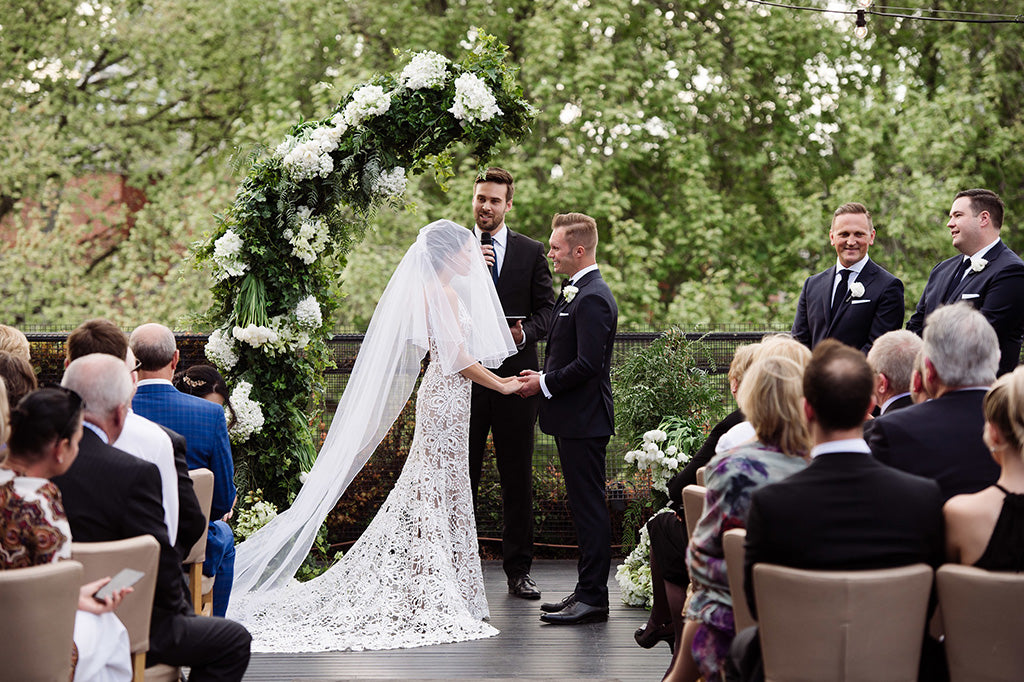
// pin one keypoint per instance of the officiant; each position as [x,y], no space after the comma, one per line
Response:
[856,300]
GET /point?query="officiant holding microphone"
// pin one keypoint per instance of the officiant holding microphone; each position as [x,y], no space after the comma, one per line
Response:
[520,272]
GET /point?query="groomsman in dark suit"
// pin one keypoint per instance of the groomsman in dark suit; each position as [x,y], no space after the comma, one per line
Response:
[111,495]
[523,281]
[986,274]
[855,301]
[941,438]
[845,511]
[577,407]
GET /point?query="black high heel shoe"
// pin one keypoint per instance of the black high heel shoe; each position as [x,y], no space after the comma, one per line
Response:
[648,637]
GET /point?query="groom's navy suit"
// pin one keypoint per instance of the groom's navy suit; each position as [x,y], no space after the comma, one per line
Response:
[997,291]
[579,415]
[859,320]
[524,288]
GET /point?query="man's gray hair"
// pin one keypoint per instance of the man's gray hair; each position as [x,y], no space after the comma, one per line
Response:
[962,346]
[893,355]
[102,380]
[153,345]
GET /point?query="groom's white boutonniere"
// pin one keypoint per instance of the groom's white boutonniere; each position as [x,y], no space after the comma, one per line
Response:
[569,291]
[978,263]
[856,290]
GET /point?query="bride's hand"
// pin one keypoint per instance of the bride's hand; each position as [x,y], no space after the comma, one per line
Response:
[509,385]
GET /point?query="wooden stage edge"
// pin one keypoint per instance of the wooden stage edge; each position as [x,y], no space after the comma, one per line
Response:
[525,649]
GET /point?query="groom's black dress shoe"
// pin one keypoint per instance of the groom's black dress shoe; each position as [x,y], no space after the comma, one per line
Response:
[576,614]
[558,605]
[523,587]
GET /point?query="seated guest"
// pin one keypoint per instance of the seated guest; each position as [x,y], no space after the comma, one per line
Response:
[892,359]
[204,381]
[18,375]
[770,398]
[776,345]
[202,424]
[147,440]
[15,342]
[667,531]
[845,511]
[46,427]
[941,438]
[111,495]
[918,391]
[986,528]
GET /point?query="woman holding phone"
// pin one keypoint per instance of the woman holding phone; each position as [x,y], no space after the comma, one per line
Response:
[45,428]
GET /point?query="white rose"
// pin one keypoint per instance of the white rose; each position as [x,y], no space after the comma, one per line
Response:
[856,290]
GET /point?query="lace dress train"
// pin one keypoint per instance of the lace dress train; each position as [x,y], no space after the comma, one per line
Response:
[414,576]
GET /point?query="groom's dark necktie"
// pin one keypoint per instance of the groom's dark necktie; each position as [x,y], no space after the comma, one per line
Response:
[958,277]
[841,290]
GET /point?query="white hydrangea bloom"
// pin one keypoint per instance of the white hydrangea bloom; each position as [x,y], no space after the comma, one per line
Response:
[474,101]
[367,101]
[391,183]
[289,144]
[308,237]
[248,413]
[426,70]
[255,335]
[220,349]
[227,251]
[308,158]
[308,313]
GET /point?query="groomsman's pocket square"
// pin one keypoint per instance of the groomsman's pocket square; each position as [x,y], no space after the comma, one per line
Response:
[563,314]
[965,296]
[860,300]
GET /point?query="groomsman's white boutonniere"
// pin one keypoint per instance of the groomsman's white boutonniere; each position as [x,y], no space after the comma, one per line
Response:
[569,291]
[978,263]
[856,290]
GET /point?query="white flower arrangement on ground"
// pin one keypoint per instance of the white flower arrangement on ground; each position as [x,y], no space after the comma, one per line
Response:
[220,349]
[426,70]
[634,574]
[248,413]
[309,236]
[253,514]
[474,101]
[367,101]
[663,464]
[227,252]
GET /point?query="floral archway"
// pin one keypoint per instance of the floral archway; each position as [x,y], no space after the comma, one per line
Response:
[278,251]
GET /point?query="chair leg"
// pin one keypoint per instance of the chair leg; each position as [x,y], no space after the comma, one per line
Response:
[195,583]
[139,666]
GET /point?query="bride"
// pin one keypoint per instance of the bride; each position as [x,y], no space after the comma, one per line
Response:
[414,576]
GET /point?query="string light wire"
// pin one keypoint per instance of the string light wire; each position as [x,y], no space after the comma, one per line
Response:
[896,12]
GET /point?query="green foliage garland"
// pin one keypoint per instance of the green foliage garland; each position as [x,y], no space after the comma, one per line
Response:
[278,251]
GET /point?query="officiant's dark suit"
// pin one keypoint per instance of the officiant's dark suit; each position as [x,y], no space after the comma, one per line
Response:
[855,320]
[523,282]
[996,289]
[577,407]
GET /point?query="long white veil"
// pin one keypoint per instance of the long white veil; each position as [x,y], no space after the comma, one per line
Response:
[441,277]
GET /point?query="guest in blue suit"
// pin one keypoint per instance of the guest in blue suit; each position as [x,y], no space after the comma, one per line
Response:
[855,301]
[204,427]
[986,273]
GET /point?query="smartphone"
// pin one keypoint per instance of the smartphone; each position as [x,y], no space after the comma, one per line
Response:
[125,578]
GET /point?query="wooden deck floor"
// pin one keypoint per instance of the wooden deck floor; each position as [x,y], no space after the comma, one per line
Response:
[526,649]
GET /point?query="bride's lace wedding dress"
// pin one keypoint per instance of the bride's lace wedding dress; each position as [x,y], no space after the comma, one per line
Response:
[414,576]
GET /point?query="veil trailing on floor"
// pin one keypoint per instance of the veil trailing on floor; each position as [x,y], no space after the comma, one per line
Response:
[442,273]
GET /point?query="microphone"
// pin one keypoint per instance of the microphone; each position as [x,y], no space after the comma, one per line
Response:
[485,240]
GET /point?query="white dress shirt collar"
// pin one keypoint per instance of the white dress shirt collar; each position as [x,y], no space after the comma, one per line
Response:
[97,430]
[147,382]
[575,278]
[855,268]
[846,445]
[983,250]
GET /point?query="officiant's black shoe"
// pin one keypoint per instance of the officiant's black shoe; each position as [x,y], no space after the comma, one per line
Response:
[577,613]
[557,606]
[523,587]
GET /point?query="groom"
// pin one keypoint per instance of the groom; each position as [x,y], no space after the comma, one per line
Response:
[577,407]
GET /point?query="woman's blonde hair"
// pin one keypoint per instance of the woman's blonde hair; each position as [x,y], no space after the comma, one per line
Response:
[770,398]
[783,345]
[1004,408]
[741,359]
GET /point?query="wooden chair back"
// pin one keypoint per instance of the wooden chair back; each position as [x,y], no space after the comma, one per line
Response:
[693,506]
[733,544]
